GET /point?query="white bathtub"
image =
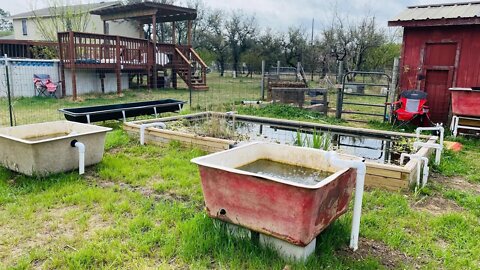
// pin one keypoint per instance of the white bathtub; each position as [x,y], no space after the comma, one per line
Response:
[45,148]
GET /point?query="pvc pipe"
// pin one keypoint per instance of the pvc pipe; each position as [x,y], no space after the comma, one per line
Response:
[124,116]
[438,147]
[250,102]
[419,159]
[438,128]
[81,155]
[144,126]
[359,186]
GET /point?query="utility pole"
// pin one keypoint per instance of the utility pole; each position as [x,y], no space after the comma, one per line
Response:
[311,44]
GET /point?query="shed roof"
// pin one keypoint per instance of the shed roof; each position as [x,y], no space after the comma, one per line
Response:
[143,12]
[439,14]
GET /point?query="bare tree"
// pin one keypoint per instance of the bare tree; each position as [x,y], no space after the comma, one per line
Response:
[61,17]
[6,25]
[212,37]
[294,46]
[240,34]
[365,37]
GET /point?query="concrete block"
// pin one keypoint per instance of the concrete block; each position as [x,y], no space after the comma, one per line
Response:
[287,250]
[234,230]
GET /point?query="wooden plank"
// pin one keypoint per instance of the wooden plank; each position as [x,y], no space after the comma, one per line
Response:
[384,172]
[385,182]
[164,141]
[388,167]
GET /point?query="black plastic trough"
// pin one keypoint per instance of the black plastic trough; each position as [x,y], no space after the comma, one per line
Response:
[121,111]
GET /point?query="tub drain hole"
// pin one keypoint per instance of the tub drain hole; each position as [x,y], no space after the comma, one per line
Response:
[223,212]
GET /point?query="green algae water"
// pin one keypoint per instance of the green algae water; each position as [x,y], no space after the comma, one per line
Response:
[288,172]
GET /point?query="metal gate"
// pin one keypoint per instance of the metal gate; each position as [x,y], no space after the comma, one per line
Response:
[348,98]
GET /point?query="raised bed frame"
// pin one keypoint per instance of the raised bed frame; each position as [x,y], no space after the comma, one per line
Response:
[387,176]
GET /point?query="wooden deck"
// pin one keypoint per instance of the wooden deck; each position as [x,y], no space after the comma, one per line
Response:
[108,53]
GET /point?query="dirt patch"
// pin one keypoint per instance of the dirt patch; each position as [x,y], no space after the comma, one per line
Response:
[388,257]
[147,192]
[436,205]
[457,183]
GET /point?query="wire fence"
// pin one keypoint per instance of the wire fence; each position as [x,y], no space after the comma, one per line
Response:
[20,98]
[26,105]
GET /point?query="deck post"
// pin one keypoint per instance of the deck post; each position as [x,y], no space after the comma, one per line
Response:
[118,66]
[71,49]
[105,28]
[62,66]
[189,33]
[154,31]
[174,38]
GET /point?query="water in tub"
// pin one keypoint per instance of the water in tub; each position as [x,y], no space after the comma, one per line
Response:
[45,137]
[288,172]
[50,136]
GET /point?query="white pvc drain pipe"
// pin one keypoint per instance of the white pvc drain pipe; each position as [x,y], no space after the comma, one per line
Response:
[81,155]
[438,149]
[437,146]
[359,186]
[144,126]
[419,159]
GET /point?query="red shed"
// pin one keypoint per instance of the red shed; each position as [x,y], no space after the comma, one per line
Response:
[441,48]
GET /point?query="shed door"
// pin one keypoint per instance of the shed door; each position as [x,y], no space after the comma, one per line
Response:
[437,83]
[439,67]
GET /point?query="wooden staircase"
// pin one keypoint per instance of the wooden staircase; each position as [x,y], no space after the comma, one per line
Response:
[190,67]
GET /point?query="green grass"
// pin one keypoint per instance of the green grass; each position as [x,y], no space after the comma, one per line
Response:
[141,207]
[463,163]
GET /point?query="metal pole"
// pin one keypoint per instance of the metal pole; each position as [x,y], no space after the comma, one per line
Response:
[393,87]
[8,92]
[340,72]
[340,90]
[262,86]
[298,70]
[338,113]
[190,96]
[278,67]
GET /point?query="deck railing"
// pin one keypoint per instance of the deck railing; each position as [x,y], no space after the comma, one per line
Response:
[79,50]
[28,49]
[87,50]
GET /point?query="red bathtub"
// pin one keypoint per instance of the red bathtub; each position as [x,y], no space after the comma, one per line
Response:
[286,210]
[465,102]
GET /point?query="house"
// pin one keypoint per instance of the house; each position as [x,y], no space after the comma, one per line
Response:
[26,25]
[109,55]
[440,50]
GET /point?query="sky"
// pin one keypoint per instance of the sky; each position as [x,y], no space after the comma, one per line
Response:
[280,14]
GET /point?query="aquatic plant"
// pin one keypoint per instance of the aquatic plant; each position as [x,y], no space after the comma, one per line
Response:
[318,140]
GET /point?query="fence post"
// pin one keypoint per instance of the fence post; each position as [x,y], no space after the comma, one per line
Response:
[393,87]
[9,95]
[278,67]
[262,86]
[340,72]
[338,113]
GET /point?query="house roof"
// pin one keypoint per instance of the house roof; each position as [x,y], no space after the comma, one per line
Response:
[143,12]
[46,12]
[439,14]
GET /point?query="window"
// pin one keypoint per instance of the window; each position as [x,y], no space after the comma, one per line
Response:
[24,26]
